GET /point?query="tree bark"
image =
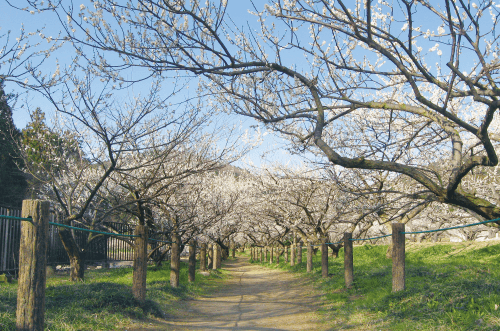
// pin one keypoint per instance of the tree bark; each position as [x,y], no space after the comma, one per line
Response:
[76,260]
[292,255]
[30,312]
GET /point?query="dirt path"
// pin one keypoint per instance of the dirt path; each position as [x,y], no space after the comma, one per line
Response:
[255,298]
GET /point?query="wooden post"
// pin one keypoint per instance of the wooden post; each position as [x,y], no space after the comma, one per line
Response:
[324,258]
[271,255]
[210,254]
[292,255]
[398,257]
[192,261]
[175,260]
[286,254]
[32,263]
[219,256]
[140,263]
[348,260]
[309,257]
[299,253]
[215,255]
[203,257]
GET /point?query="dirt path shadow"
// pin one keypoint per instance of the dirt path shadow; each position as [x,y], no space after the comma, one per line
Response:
[255,298]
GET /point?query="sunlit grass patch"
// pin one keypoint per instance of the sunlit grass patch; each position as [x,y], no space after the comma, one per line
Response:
[104,300]
[449,286]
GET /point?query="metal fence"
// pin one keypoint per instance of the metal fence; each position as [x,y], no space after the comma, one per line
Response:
[10,233]
[102,249]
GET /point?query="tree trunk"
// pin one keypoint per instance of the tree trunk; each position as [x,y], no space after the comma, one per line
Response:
[76,260]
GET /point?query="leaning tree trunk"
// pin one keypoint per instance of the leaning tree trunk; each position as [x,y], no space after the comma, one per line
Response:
[335,250]
[76,258]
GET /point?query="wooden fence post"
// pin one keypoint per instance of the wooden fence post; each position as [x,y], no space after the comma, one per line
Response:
[309,257]
[348,260]
[324,258]
[210,253]
[192,260]
[292,255]
[140,263]
[271,255]
[299,253]
[203,257]
[30,313]
[175,260]
[398,257]
[215,255]
[219,256]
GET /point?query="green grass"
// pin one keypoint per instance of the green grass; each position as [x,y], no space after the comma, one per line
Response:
[453,286]
[104,300]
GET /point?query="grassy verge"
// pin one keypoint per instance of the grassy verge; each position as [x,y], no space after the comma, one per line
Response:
[105,302]
[453,286]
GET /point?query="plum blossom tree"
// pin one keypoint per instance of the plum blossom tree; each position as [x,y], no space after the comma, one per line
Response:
[393,87]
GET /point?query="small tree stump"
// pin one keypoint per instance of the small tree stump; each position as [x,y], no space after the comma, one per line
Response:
[30,313]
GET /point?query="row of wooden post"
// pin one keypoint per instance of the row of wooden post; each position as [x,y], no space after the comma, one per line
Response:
[33,262]
[398,257]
